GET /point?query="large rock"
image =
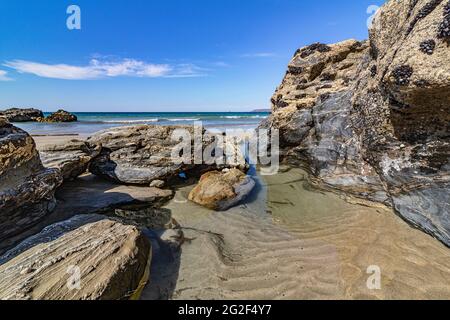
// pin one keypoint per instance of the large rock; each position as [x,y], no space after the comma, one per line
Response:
[89,194]
[60,116]
[111,259]
[142,154]
[222,190]
[72,158]
[384,133]
[404,111]
[26,187]
[312,109]
[22,115]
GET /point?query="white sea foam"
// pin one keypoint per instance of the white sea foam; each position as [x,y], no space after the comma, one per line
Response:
[183,119]
[243,117]
[131,121]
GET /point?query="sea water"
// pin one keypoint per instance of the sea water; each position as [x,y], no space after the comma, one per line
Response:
[89,123]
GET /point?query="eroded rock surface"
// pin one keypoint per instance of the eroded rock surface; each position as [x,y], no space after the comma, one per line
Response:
[26,187]
[22,115]
[380,128]
[222,190]
[90,194]
[110,258]
[143,154]
[72,158]
[60,116]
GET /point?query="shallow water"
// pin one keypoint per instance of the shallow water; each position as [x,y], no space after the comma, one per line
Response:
[289,241]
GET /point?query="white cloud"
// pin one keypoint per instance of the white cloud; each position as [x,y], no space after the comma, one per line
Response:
[3,76]
[259,55]
[98,68]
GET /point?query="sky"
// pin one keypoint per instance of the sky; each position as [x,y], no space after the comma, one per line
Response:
[161,55]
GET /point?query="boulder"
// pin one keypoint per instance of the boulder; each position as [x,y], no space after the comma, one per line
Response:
[222,190]
[84,258]
[71,158]
[26,187]
[379,128]
[142,154]
[61,116]
[21,115]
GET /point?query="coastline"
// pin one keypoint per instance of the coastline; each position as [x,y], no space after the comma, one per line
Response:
[90,123]
[289,240]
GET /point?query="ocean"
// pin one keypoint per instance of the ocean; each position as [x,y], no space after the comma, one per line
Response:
[89,123]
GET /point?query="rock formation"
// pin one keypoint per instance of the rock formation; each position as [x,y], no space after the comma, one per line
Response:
[90,194]
[26,187]
[111,259]
[143,154]
[22,115]
[71,158]
[373,118]
[60,116]
[222,190]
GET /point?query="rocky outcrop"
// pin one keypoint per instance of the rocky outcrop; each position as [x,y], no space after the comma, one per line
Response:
[71,158]
[90,194]
[135,155]
[143,154]
[85,258]
[380,127]
[21,115]
[222,190]
[312,109]
[60,116]
[26,187]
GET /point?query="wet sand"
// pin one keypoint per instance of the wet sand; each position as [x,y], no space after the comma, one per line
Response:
[290,241]
[56,139]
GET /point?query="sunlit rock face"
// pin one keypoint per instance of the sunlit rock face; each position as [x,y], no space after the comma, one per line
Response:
[26,187]
[373,118]
[87,257]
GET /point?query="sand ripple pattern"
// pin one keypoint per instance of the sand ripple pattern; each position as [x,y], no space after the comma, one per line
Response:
[292,242]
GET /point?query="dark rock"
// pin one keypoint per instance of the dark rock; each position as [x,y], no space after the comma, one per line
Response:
[61,116]
[316,47]
[22,115]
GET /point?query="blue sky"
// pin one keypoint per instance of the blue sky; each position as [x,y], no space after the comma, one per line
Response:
[161,55]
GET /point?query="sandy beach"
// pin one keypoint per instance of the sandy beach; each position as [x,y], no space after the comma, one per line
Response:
[42,140]
[290,241]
